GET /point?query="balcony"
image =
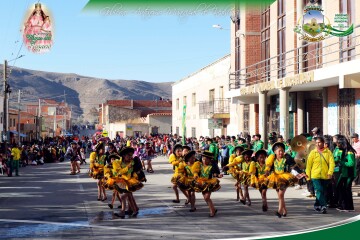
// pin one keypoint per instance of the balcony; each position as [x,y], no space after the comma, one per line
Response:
[218,108]
[298,60]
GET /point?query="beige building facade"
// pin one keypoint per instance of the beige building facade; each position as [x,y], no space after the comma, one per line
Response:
[203,94]
[279,82]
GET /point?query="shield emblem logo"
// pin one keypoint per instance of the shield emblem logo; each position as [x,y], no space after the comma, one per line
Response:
[313,22]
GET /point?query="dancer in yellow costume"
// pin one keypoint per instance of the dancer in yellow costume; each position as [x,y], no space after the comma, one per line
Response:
[280,179]
[126,180]
[186,182]
[207,181]
[258,178]
[97,162]
[245,176]
[178,163]
[109,179]
[233,168]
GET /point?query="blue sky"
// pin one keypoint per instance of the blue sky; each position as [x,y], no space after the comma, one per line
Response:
[156,49]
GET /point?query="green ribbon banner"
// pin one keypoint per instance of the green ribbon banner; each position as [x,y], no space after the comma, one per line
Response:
[338,33]
[184,125]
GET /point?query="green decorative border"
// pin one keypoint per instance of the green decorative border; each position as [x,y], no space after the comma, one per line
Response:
[131,4]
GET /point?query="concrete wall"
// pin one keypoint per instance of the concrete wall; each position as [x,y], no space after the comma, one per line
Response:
[210,77]
[163,123]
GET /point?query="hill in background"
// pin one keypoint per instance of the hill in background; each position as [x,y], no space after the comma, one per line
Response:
[81,92]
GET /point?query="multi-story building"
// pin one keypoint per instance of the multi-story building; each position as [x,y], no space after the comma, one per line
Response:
[282,83]
[199,101]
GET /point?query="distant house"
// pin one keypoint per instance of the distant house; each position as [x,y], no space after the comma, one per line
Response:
[135,117]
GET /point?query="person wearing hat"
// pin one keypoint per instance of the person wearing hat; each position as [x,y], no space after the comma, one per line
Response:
[356,146]
[207,181]
[258,178]
[234,167]
[72,155]
[177,160]
[258,144]
[127,180]
[315,132]
[97,163]
[109,179]
[280,178]
[245,176]
[186,182]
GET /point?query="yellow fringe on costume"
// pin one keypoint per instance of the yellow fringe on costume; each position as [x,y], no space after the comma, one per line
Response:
[186,181]
[260,181]
[235,165]
[96,166]
[207,185]
[244,175]
[124,179]
[179,167]
[279,179]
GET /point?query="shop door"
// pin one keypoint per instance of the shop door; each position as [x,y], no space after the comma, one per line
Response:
[346,111]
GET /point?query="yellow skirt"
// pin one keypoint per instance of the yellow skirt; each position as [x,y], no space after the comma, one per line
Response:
[244,178]
[207,185]
[234,172]
[97,173]
[259,182]
[280,181]
[124,186]
[186,183]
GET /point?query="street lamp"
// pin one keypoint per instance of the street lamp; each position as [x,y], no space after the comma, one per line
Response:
[218,26]
[7,91]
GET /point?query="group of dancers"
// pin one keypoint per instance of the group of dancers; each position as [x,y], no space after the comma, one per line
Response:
[123,175]
[247,168]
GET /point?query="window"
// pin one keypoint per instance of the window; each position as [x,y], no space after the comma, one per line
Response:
[221,92]
[212,95]
[265,41]
[177,104]
[193,100]
[193,132]
[347,44]
[246,118]
[177,131]
[184,100]
[281,23]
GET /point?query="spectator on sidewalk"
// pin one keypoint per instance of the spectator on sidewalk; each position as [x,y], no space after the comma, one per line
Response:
[319,169]
[16,155]
[356,146]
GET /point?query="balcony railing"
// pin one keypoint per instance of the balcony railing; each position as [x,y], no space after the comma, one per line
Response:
[297,60]
[207,109]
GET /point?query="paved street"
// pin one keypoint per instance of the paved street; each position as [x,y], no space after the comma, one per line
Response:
[46,202]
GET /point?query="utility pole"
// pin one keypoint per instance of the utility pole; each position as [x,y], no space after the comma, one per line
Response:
[5,115]
[19,101]
[39,122]
[64,113]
